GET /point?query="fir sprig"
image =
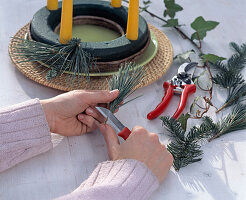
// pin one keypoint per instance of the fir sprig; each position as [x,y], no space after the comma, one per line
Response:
[229,76]
[59,58]
[186,148]
[236,95]
[234,121]
[126,80]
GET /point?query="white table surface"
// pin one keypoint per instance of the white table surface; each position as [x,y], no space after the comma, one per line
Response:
[220,175]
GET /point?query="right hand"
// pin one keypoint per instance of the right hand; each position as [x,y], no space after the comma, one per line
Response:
[141,145]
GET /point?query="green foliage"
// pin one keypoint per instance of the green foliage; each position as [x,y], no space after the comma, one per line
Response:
[59,58]
[236,95]
[125,81]
[202,27]
[238,49]
[183,57]
[228,79]
[211,58]
[171,8]
[183,119]
[234,121]
[238,60]
[229,76]
[186,148]
[174,127]
[146,5]
[171,23]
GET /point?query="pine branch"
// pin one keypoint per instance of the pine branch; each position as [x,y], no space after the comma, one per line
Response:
[174,127]
[125,81]
[235,63]
[186,149]
[228,79]
[236,95]
[236,120]
[184,153]
[59,58]
[229,76]
[238,49]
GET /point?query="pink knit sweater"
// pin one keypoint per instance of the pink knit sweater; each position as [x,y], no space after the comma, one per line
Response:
[24,133]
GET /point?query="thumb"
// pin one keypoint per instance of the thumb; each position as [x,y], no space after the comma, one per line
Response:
[102,96]
[111,140]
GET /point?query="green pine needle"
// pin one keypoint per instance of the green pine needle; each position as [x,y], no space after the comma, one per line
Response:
[236,95]
[235,63]
[59,58]
[125,81]
[186,148]
[229,75]
[234,121]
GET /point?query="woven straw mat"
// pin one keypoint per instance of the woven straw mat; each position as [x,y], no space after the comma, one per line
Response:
[154,69]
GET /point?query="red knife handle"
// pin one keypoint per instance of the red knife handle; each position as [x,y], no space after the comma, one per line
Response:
[165,101]
[188,89]
[124,133]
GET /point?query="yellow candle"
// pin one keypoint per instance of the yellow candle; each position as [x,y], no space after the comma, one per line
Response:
[116,3]
[66,21]
[52,4]
[133,19]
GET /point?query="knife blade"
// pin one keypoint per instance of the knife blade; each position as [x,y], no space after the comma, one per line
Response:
[121,129]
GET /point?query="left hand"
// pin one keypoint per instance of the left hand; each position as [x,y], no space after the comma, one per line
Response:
[73,113]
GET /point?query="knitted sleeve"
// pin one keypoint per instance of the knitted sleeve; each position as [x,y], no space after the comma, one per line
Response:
[24,133]
[121,180]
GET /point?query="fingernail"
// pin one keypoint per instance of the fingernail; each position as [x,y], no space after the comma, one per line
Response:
[114,91]
[90,110]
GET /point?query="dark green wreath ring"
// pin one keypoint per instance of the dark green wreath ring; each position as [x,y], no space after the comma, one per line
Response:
[45,22]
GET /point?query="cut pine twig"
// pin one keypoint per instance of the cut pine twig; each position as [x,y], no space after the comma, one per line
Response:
[126,80]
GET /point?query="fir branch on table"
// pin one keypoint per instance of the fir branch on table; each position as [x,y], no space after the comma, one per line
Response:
[228,79]
[234,121]
[58,58]
[229,76]
[236,95]
[126,80]
[186,148]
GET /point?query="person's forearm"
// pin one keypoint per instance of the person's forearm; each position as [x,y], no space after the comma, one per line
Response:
[121,180]
[24,133]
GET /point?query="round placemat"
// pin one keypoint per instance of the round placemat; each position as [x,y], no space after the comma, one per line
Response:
[155,69]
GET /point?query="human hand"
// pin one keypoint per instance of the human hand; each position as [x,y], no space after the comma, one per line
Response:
[74,113]
[141,145]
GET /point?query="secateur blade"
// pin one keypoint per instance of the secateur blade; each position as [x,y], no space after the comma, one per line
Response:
[184,68]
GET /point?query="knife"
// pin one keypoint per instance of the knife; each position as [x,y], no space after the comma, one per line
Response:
[122,130]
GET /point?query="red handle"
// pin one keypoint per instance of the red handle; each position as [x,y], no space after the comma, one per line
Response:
[124,133]
[165,101]
[188,89]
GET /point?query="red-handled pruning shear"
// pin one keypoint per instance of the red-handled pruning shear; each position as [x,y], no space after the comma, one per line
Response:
[180,84]
[122,130]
